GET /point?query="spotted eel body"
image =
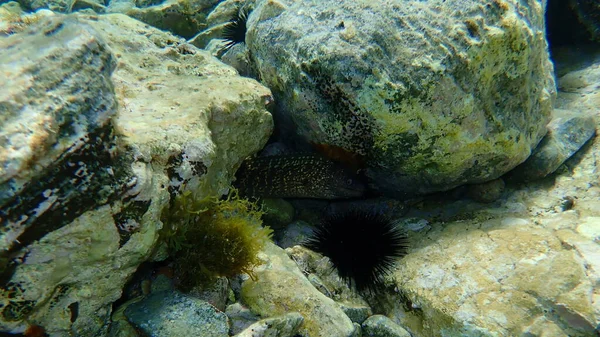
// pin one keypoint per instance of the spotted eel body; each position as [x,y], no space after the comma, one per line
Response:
[297,176]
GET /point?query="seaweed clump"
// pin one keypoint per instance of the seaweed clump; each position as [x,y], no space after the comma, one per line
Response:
[209,238]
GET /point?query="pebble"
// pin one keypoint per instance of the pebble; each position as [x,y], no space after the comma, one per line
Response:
[381,326]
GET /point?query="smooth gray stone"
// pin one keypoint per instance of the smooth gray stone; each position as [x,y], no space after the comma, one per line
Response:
[381,326]
[173,314]
[567,133]
[280,326]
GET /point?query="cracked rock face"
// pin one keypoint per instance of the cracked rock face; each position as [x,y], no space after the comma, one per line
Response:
[429,94]
[103,120]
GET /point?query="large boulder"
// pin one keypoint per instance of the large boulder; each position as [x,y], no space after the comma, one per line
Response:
[428,95]
[103,121]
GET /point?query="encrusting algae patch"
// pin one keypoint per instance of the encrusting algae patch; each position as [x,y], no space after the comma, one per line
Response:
[211,237]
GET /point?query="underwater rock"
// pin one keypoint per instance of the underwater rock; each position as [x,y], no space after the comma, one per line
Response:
[487,192]
[427,95]
[474,272]
[59,6]
[216,21]
[381,326]
[56,152]
[356,313]
[240,318]
[85,180]
[119,325]
[173,314]
[280,326]
[280,287]
[184,18]
[588,13]
[567,133]
[478,276]
[62,183]
[293,234]
[216,294]
[322,274]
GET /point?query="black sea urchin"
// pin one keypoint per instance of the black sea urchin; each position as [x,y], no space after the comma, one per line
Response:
[362,246]
[235,30]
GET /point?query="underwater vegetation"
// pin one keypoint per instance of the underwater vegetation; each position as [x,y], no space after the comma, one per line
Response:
[235,30]
[362,245]
[211,237]
[16,23]
[297,176]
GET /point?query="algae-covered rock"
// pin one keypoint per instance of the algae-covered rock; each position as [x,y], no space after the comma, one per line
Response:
[184,18]
[525,265]
[280,287]
[103,121]
[428,95]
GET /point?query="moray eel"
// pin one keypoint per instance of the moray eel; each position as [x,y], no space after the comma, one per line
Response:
[297,176]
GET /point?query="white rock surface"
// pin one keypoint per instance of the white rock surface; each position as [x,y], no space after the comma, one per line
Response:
[280,287]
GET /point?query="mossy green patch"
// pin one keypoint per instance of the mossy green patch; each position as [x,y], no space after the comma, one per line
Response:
[211,237]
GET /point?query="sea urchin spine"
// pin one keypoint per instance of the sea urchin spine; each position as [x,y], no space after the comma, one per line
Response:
[235,30]
[362,245]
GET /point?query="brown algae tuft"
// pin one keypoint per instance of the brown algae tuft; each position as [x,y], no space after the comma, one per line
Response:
[210,237]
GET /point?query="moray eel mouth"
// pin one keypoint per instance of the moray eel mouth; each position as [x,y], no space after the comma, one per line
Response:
[297,176]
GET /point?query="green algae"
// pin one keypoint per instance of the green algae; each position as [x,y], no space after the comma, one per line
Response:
[209,238]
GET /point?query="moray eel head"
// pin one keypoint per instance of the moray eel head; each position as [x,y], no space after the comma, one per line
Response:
[345,185]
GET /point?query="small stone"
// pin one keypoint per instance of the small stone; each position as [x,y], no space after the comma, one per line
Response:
[414,224]
[216,294]
[172,314]
[160,283]
[240,318]
[280,326]
[356,313]
[319,285]
[280,287]
[381,326]
[567,133]
[294,234]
